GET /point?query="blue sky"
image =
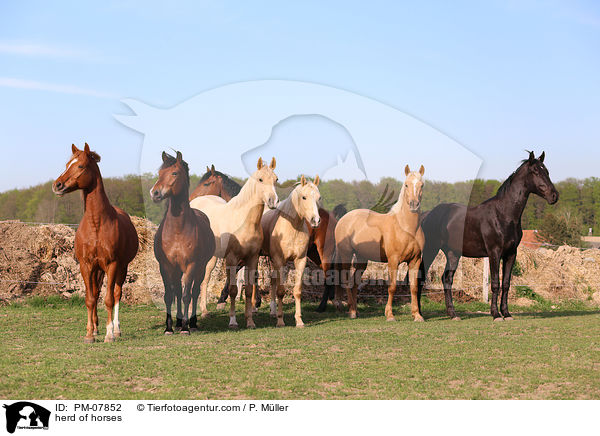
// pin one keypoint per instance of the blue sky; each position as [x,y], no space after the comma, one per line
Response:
[498,77]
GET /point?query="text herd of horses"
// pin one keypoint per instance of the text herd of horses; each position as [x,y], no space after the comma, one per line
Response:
[221,220]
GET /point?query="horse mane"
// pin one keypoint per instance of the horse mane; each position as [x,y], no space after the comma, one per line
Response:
[246,192]
[230,185]
[508,182]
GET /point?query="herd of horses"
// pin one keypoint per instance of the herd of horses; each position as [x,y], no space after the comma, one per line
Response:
[223,220]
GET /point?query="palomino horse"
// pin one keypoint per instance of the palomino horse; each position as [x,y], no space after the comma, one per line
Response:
[105,241]
[491,229]
[322,240]
[286,238]
[394,237]
[238,234]
[183,244]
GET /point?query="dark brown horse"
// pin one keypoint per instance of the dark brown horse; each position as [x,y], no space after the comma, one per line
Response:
[322,240]
[491,229]
[105,242]
[183,244]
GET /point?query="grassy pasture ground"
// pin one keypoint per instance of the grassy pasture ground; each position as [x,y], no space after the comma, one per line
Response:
[546,353]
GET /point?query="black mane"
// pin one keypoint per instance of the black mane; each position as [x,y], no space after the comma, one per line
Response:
[230,185]
[508,182]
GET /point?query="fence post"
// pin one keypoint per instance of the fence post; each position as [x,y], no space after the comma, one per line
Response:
[486,279]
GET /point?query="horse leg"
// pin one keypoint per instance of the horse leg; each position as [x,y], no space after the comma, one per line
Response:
[251,288]
[273,291]
[195,293]
[280,290]
[495,279]
[507,264]
[224,294]
[300,264]
[392,273]
[119,280]
[99,277]
[359,268]
[203,290]
[168,298]
[179,316]
[233,290]
[447,279]
[414,267]
[109,301]
[89,280]
[188,278]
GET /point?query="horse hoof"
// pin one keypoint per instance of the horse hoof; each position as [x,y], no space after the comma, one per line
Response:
[509,318]
[254,310]
[108,339]
[117,334]
[168,332]
[390,319]
[221,306]
[456,318]
[95,333]
[273,315]
[193,329]
[320,309]
[251,326]
[204,315]
[419,319]
[299,326]
[280,325]
[88,340]
[233,326]
[499,319]
[184,332]
[353,315]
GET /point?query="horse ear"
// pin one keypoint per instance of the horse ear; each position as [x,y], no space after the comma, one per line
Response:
[74,149]
[165,156]
[86,148]
[207,169]
[259,165]
[317,180]
[273,163]
[422,170]
[542,156]
[179,157]
[531,157]
[406,170]
[303,180]
[212,169]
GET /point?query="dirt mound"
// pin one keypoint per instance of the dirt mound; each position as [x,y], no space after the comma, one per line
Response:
[39,260]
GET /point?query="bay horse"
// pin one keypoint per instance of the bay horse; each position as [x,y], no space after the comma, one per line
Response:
[286,238]
[394,237]
[183,244]
[491,229]
[105,242]
[322,240]
[238,234]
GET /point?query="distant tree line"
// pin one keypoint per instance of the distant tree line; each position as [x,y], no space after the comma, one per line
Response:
[578,208]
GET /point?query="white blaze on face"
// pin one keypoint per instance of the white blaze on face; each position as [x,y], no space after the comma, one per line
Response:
[69,165]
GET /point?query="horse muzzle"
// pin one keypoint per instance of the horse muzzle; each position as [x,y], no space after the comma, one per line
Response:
[414,205]
[156,195]
[60,189]
[272,202]
[315,222]
[552,198]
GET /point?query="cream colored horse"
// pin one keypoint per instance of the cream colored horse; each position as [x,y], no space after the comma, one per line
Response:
[238,234]
[394,238]
[286,238]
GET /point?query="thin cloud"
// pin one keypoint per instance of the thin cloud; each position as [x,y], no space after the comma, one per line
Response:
[32,49]
[10,82]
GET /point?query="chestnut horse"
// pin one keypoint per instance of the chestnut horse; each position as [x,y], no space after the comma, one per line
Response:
[105,242]
[491,229]
[238,234]
[183,244]
[322,240]
[286,238]
[394,237]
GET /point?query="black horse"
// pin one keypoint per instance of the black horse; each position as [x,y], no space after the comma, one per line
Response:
[491,229]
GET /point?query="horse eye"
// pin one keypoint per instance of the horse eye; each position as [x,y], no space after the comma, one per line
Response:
[260,180]
[207,184]
[80,166]
[304,197]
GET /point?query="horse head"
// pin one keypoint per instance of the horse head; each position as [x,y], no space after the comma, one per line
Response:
[537,178]
[81,172]
[173,178]
[265,179]
[307,198]
[412,190]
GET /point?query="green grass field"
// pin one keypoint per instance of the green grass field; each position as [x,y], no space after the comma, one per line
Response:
[545,353]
